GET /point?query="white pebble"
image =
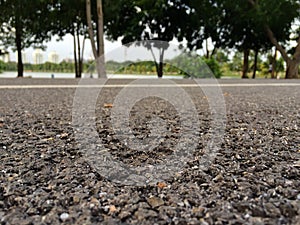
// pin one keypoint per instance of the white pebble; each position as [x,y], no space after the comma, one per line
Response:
[64,216]
[101,194]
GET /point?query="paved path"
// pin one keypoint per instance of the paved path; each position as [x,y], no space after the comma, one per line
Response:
[119,83]
[45,177]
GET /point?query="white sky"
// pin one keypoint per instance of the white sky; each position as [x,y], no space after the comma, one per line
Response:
[113,51]
[65,49]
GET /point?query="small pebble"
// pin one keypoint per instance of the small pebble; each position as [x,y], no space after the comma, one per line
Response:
[112,209]
[155,201]
[161,185]
[106,208]
[102,194]
[64,216]
[203,222]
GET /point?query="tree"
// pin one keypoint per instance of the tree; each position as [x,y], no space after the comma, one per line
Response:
[277,23]
[243,33]
[276,65]
[221,56]
[98,50]
[236,63]
[203,24]
[229,24]
[69,17]
[80,18]
[153,23]
[21,26]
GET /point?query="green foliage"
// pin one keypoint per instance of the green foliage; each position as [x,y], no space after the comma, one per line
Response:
[2,66]
[150,20]
[235,25]
[10,66]
[280,65]
[140,20]
[192,65]
[236,63]
[143,67]
[66,17]
[26,20]
[23,25]
[221,57]
[241,25]
[214,66]
[63,67]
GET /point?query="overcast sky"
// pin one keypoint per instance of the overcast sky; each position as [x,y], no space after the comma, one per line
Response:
[113,51]
[65,47]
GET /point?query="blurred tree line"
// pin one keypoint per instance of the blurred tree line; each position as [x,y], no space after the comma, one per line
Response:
[63,67]
[254,30]
[220,65]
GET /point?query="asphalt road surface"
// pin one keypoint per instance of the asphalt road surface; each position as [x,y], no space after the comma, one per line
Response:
[94,152]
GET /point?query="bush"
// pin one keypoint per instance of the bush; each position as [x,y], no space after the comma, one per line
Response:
[213,66]
[2,66]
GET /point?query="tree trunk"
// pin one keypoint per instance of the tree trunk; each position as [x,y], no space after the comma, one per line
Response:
[207,51]
[99,50]
[20,61]
[19,45]
[292,69]
[160,72]
[79,54]
[292,64]
[101,67]
[81,58]
[246,63]
[101,40]
[100,27]
[75,54]
[273,73]
[255,64]
[214,51]
[159,65]
[90,28]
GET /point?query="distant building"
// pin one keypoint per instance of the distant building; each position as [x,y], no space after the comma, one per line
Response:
[38,56]
[5,58]
[53,57]
[68,60]
[24,57]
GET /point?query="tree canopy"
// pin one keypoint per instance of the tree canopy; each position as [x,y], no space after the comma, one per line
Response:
[243,26]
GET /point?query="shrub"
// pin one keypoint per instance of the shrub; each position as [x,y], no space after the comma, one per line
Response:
[213,66]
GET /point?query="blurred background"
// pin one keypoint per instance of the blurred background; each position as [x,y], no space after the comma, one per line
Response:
[236,39]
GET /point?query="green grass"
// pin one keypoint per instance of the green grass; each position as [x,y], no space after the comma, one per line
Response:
[259,74]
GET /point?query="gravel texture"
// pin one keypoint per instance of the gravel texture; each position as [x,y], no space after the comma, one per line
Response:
[254,179]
